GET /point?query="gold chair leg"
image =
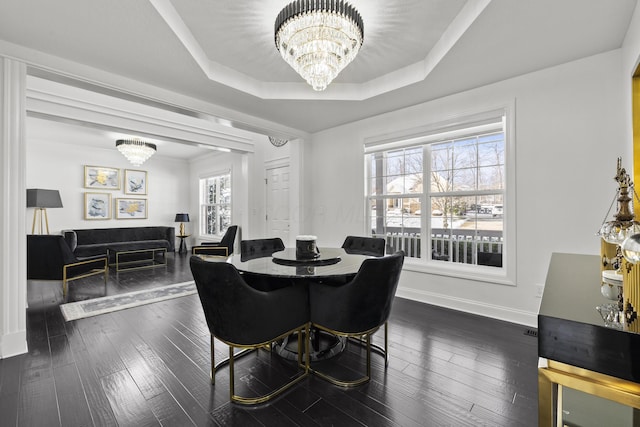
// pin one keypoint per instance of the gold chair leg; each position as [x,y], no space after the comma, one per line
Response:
[264,398]
[369,356]
[64,282]
[386,344]
[383,351]
[232,395]
[213,362]
[306,349]
[359,381]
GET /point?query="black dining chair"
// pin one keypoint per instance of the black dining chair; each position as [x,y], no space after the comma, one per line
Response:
[243,317]
[49,257]
[258,248]
[354,310]
[373,246]
[222,248]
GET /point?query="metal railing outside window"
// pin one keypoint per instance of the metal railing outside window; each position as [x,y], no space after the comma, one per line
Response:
[448,185]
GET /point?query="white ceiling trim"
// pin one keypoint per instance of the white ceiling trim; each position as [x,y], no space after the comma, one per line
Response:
[402,77]
[53,101]
[80,73]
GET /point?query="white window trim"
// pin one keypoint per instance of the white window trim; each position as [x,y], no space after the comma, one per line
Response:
[206,175]
[446,129]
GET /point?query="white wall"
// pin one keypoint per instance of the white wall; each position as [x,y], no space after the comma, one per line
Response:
[213,164]
[569,130]
[247,182]
[57,165]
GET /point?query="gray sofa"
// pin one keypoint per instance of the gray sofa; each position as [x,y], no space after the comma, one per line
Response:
[95,241]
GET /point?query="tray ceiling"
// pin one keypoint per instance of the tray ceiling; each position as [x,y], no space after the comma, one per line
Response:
[223,52]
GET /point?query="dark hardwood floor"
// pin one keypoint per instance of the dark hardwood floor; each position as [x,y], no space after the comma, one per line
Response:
[149,365]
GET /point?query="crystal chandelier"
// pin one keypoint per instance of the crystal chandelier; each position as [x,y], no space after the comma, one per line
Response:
[318,38]
[135,150]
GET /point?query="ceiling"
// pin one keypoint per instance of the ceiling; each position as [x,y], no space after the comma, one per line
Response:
[223,51]
[47,131]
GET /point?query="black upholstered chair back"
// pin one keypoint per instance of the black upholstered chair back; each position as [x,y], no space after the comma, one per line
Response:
[238,314]
[258,248]
[47,255]
[373,246]
[229,238]
[228,241]
[362,304]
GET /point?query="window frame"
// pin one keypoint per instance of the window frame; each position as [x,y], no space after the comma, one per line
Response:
[437,132]
[202,205]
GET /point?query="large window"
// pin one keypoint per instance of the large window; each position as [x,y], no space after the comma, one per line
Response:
[440,195]
[215,204]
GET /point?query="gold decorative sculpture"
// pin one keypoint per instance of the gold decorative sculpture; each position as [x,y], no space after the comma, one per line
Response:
[620,251]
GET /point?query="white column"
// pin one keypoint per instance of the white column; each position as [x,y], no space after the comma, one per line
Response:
[13,257]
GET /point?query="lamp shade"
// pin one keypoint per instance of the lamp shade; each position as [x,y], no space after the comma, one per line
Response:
[182,217]
[39,198]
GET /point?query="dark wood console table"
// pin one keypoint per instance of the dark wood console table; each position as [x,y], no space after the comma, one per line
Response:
[581,352]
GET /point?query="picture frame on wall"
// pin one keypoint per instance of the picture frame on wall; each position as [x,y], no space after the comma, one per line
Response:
[131,208]
[135,182]
[97,206]
[101,177]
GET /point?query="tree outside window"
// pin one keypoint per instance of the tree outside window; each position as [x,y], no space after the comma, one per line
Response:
[215,204]
[451,190]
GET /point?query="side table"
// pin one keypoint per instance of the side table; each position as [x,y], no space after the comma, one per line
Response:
[183,246]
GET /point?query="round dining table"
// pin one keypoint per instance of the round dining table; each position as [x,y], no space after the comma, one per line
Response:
[332,266]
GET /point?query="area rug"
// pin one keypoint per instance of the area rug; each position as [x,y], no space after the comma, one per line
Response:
[96,306]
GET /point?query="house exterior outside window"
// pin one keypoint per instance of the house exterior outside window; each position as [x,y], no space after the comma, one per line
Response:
[215,204]
[441,194]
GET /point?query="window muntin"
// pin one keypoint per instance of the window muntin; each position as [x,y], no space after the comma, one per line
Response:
[463,196]
[215,204]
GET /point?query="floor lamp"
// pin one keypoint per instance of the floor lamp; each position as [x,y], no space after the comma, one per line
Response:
[41,200]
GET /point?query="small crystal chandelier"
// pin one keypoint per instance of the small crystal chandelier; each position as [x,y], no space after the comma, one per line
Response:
[135,150]
[318,38]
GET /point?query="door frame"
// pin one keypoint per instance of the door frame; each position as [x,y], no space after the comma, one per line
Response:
[275,164]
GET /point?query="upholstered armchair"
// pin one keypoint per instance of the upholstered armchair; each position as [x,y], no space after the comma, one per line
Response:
[243,317]
[258,248]
[358,308]
[373,246]
[222,248]
[49,257]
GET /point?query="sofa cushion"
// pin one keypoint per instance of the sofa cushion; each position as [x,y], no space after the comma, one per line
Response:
[101,248]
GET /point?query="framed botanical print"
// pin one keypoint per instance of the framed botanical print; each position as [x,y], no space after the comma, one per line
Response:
[100,177]
[97,205]
[131,208]
[135,182]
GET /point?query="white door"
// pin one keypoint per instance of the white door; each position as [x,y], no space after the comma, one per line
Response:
[278,203]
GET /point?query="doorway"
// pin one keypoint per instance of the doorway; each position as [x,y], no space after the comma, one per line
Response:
[278,210]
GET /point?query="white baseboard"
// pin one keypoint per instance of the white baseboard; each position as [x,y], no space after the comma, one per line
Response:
[483,309]
[13,344]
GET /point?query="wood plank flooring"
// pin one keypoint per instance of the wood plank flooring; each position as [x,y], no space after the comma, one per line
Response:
[149,366]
